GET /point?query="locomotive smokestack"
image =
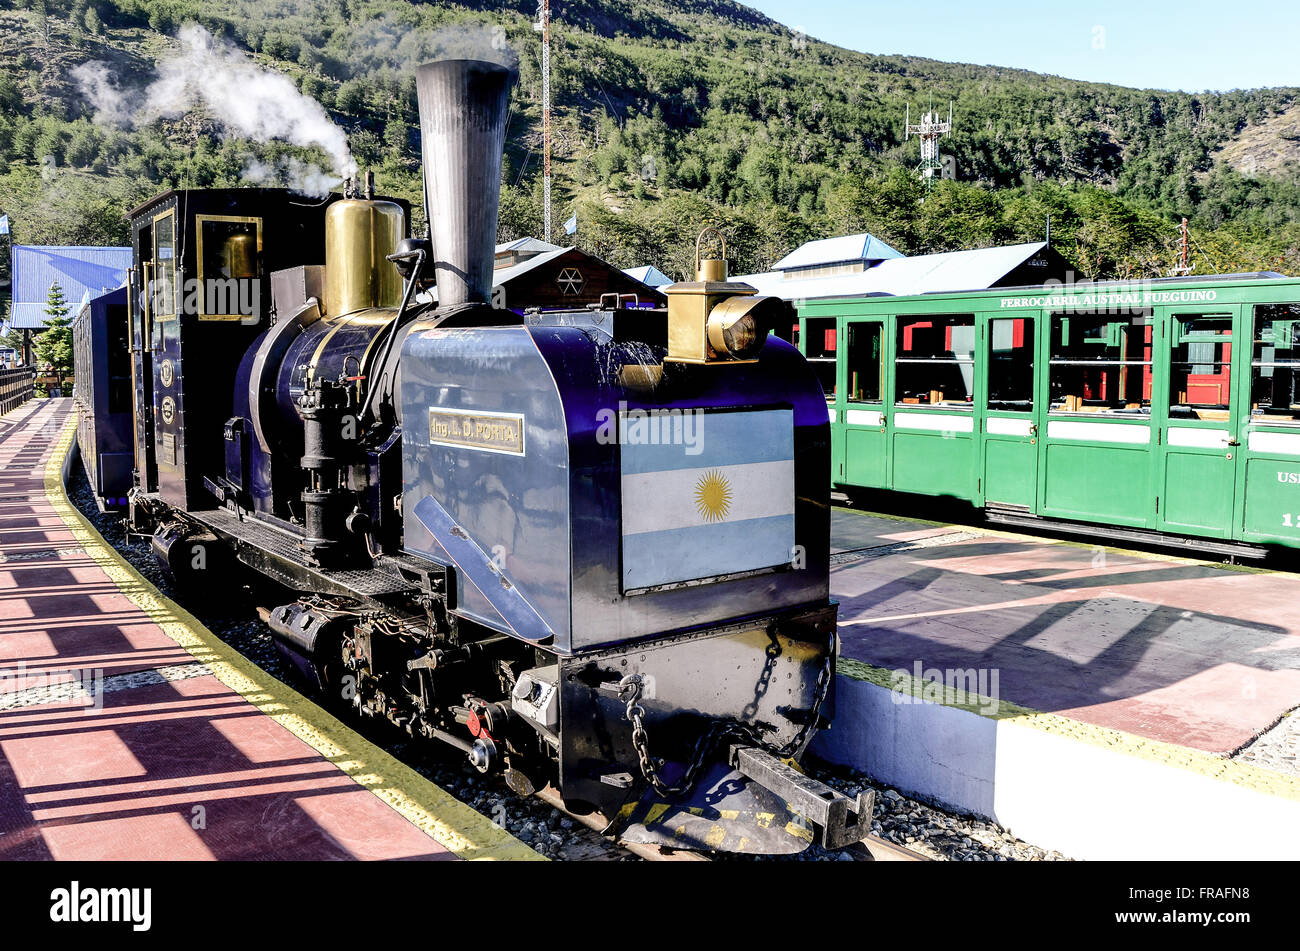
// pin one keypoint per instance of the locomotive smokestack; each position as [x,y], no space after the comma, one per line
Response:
[463,105]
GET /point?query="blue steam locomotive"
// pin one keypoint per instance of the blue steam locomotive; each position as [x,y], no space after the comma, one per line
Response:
[588,548]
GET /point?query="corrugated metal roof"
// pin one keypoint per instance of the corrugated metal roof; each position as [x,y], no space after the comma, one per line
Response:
[850,247]
[527,244]
[649,275]
[27,316]
[78,270]
[924,273]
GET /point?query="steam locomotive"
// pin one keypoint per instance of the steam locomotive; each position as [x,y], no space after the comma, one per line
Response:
[588,548]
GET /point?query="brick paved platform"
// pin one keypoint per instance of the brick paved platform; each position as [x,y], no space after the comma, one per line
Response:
[1184,652]
[1092,700]
[128,731]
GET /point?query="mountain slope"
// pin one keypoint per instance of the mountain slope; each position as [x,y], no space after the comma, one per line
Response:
[668,115]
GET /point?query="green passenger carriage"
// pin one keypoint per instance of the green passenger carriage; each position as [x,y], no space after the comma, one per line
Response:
[1166,406]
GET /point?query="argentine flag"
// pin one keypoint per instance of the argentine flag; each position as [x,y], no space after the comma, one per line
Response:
[719,503]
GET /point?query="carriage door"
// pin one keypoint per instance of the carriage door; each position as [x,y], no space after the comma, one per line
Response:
[864,408]
[1198,434]
[1010,427]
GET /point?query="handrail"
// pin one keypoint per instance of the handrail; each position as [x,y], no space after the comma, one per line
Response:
[17,386]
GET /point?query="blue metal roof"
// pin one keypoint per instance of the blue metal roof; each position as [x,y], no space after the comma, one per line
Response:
[648,274]
[78,270]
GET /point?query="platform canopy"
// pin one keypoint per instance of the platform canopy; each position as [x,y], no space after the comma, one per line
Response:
[82,273]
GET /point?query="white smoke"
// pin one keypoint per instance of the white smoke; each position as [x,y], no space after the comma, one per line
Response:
[247,100]
[387,41]
[303,177]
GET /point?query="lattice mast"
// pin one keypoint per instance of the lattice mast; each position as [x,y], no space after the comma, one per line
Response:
[1184,265]
[929,130]
[543,26]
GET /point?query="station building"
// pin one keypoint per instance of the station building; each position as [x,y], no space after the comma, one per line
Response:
[81,272]
[532,273]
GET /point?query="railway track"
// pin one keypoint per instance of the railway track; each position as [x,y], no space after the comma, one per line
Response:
[873,849]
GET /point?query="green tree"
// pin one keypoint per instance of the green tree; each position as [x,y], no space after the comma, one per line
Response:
[54,346]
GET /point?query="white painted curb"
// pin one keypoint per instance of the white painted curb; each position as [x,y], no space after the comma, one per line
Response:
[1054,791]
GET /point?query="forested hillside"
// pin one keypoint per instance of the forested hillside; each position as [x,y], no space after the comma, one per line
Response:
[671,114]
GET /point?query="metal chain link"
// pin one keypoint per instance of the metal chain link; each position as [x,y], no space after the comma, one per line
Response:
[630,688]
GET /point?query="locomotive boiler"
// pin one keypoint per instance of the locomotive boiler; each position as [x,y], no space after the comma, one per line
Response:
[587,548]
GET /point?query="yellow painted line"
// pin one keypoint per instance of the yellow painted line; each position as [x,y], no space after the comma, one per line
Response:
[1168,754]
[448,821]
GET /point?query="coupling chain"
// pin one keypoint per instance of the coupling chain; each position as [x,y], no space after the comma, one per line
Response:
[630,689]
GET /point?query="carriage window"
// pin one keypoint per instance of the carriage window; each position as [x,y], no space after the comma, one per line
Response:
[229,251]
[935,364]
[1011,364]
[820,351]
[1100,363]
[864,362]
[1275,365]
[1200,369]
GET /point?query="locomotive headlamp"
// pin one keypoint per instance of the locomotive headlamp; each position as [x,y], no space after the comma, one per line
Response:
[738,327]
[713,320]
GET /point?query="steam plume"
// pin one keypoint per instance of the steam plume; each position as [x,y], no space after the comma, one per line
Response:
[385,41]
[244,98]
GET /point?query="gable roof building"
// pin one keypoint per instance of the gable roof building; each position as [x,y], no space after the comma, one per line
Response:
[848,254]
[82,273]
[559,278]
[516,252]
[1009,266]
[648,275]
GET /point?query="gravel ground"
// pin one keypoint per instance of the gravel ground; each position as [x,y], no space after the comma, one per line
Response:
[923,828]
[1277,748]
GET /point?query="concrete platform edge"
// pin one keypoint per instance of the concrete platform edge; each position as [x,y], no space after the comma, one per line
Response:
[1086,791]
[448,821]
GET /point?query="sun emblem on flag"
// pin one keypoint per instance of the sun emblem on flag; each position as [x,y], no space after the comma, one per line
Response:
[713,496]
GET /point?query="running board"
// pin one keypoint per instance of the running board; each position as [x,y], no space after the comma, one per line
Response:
[1138,535]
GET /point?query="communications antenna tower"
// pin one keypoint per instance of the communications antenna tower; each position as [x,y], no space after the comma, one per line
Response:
[543,26]
[1184,265]
[929,130]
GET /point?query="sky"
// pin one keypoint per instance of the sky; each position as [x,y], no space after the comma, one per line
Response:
[1192,46]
